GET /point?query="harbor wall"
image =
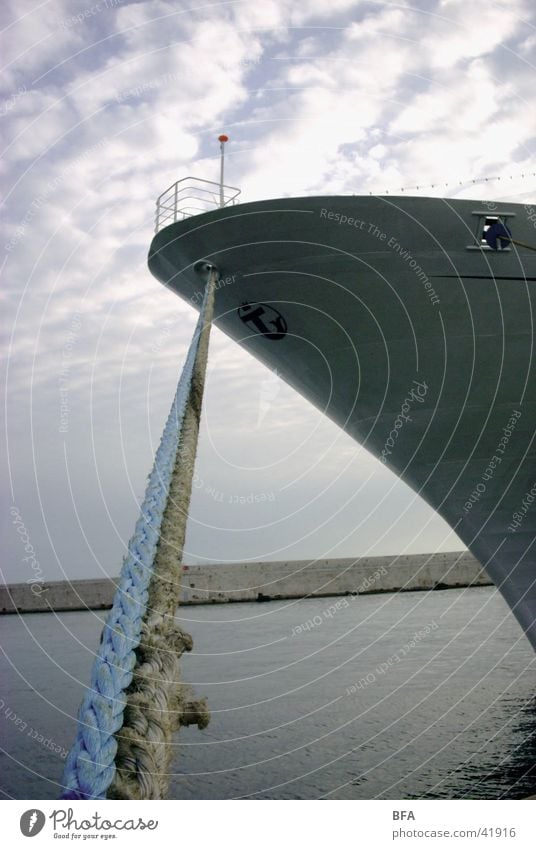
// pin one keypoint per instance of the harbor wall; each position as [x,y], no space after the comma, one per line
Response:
[228,582]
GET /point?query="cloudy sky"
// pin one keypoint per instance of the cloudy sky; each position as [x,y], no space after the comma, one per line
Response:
[104,106]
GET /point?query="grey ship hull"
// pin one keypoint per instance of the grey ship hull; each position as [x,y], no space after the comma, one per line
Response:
[405,332]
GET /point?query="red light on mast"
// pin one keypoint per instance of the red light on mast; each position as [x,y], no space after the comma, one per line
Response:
[223,138]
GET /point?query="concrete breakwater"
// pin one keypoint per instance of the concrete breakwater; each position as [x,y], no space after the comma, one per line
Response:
[228,582]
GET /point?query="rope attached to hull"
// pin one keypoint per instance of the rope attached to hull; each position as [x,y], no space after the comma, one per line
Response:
[135,701]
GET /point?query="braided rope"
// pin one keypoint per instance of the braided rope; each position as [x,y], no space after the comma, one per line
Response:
[156,701]
[90,765]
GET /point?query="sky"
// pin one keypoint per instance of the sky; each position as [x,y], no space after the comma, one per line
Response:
[106,104]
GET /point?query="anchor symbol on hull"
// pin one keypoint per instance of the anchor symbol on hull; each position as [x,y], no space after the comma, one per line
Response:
[263,317]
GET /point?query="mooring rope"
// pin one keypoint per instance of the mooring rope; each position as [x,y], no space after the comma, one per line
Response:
[134,700]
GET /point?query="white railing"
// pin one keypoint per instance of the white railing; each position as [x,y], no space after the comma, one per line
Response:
[191,196]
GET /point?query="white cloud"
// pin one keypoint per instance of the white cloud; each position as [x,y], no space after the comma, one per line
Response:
[342,98]
[457,110]
[33,40]
[459,31]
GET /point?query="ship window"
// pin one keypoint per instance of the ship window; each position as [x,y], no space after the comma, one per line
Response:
[483,221]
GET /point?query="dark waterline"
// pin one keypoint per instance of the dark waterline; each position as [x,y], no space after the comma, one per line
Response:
[413,695]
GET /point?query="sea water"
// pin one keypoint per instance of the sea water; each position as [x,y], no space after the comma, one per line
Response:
[400,695]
